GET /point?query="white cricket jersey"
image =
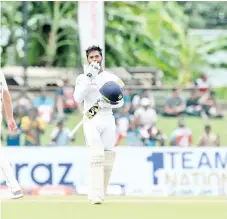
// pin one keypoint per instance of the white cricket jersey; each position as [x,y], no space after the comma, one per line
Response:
[87,90]
[3,86]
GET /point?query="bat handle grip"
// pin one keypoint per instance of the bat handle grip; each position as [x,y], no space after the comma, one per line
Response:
[76,128]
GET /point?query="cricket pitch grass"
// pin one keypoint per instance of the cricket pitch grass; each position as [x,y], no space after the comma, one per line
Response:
[77,207]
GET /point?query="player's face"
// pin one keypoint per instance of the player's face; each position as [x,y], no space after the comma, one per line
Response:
[207,129]
[176,92]
[94,56]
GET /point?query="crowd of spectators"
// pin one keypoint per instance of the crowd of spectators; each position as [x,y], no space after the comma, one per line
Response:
[34,114]
[136,120]
[139,127]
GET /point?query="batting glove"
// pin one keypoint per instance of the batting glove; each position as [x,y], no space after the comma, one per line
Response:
[93,70]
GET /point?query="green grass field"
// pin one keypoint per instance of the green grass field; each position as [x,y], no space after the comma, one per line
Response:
[165,124]
[77,207]
[219,126]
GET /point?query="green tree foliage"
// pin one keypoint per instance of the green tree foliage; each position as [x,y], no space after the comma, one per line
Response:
[52,33]
[11,33]
[55,29]
[154,34]
[206,15]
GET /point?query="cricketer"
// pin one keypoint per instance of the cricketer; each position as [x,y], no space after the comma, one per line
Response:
[101,91]
[6,169]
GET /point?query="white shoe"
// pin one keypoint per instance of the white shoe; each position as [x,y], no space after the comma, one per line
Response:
[96,201]
[18,194]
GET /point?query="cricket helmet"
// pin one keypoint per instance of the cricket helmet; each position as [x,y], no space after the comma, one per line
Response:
[111,92]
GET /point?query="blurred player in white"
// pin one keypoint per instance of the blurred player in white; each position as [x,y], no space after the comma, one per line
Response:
[100,131]
[5,168]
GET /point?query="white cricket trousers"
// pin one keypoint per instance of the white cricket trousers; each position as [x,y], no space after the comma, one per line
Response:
[6,172]
[100,133]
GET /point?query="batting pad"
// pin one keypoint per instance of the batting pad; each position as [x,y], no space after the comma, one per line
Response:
[109,158]
[96,177]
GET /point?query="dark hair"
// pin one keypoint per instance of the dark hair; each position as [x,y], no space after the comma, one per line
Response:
[212,93]
[175,89]
[93,48]
[207,126]
[60,122]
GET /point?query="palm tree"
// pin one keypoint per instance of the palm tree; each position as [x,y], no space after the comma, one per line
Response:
[56,22]
[159,38]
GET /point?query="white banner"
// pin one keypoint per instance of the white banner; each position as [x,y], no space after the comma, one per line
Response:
[91,25]
[137,171]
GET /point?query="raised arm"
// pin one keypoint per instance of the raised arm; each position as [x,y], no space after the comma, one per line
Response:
[82,84]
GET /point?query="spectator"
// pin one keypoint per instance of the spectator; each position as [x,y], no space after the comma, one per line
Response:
[135,101]
[150,96]
[127,102]
[59,100]
[192,106]
[20,111]
[127,97]
[174,105]
[66,93]
[156,135]
[33,127]
[122,124]
[24,100]
[60,136]
[208,139]
[209,104]
[202,84]
[149,136]
[145,119]
[43,99]
[133,134]
[45,106]
[182,136]
[145,115]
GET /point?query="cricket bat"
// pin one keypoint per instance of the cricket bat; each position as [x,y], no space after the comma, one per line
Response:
[88,115]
